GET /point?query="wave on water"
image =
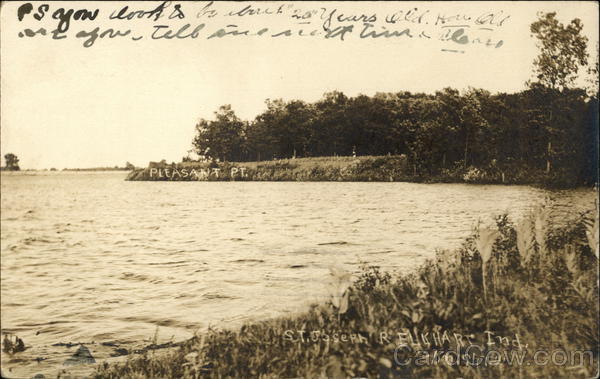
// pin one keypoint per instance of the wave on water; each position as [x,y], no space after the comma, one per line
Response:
[248,260]
[334,243]
[218,296]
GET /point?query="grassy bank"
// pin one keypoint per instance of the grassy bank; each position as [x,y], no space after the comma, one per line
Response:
[394,168]
[525,288]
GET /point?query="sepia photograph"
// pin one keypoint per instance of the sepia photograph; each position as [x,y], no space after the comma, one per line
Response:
[299,189]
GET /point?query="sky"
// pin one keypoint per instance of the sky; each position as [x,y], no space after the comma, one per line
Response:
[67,106]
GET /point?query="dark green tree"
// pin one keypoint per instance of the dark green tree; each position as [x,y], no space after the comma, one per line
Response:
[328,126]
[12,162]
[562,54]
[222,138]
[563,50]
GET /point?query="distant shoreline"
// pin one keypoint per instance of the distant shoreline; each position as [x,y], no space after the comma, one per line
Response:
[97,169]
[70,169]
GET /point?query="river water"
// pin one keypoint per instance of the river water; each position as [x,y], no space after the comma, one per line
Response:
[90,258]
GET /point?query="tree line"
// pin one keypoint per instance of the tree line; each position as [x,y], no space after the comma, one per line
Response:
[550,126]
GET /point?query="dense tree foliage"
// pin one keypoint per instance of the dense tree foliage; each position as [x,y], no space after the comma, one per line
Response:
[222,138]
[442,131]
[12,162]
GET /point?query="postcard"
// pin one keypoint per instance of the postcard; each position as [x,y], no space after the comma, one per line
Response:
[287,189]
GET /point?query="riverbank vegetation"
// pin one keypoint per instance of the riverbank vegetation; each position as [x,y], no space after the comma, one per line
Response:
[509,291]
[392,168]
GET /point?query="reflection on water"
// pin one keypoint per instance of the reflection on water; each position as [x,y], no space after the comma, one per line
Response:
[88,257]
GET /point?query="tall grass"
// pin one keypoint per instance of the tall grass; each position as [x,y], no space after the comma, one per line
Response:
[533,285]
